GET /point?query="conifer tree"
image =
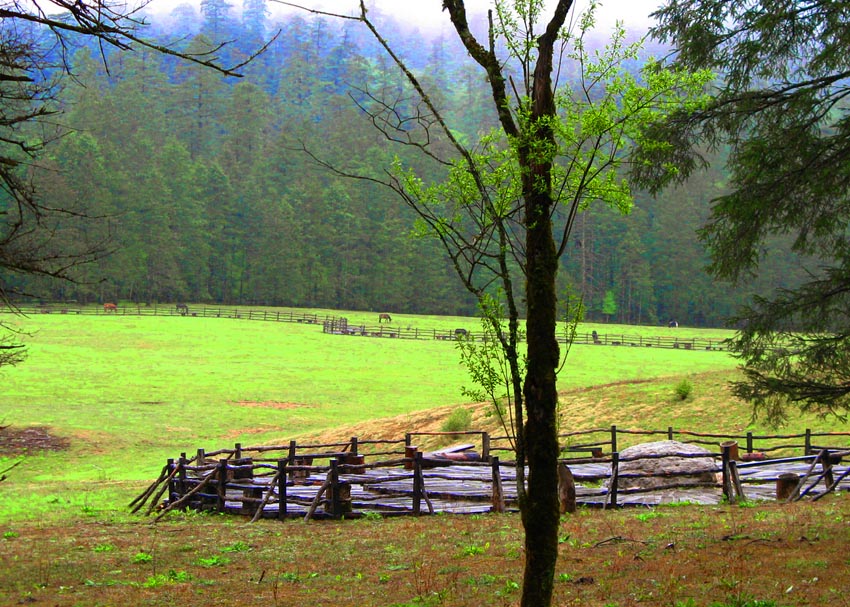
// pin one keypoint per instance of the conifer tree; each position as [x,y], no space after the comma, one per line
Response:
[781,110]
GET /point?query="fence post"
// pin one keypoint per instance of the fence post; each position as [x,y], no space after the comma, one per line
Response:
[222,485]
[826,468]
[418,481]
[291,455]
[615,478]
[498,495]
[407,439]
[237,451]
[613,439]
[485,445]
[201,458]
[669,432]
[281,489]
[181,485]
[808,445]
[749,442]
[172,484]
[725,452]
[353,445]
[334,488]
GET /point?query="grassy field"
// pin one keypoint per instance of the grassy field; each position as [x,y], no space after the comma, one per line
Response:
[127,392]
[123,393]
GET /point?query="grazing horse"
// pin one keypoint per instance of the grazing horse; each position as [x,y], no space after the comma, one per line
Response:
[384,316]
[109,307]
[183,309]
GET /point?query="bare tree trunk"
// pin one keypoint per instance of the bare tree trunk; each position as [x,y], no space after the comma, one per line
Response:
[540,514]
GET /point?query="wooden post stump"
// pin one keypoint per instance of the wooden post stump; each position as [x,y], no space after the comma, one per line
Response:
[786,484]
[566,489]
[354,463]
[252,498]
[498,494]
[242,468]
[732,445]
[340,499]
[300,476]
[409,456]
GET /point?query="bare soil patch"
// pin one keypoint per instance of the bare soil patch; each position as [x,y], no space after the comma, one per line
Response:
[22,441]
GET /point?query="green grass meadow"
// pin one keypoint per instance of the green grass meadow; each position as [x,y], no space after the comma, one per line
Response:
[127,392]
[130,391]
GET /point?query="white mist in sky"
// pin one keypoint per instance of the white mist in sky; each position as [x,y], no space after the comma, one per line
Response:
[428,14]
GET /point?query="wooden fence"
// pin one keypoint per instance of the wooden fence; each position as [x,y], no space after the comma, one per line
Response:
[337,325]
[335,480]
[341,326]
[289,316]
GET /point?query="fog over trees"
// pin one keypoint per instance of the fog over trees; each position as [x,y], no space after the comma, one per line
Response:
[197,185]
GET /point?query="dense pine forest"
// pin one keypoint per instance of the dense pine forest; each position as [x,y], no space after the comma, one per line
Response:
[197,187]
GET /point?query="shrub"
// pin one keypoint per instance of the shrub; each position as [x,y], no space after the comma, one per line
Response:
[684,389]
[459,420]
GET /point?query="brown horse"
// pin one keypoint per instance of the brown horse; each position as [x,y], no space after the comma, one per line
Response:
[110,307]
[383,316]
[182,309]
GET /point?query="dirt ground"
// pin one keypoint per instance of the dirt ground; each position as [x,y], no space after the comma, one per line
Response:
[16,441]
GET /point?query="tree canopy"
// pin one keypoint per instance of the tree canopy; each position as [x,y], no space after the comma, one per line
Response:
[781,114]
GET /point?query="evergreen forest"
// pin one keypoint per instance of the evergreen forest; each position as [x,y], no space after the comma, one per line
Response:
[197,187]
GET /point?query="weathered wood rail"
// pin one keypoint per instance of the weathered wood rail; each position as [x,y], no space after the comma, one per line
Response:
[336,480]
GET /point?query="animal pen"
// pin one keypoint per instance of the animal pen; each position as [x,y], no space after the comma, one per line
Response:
[394,477]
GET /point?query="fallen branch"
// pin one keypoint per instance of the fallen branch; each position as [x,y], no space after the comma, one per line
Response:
[3,473]
[618,539]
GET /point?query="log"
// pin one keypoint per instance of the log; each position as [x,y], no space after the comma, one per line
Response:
[183,499]
[266,499]
[736,479]
[144,495]
[162,490]
[795,495]
[834,484]
[317,499]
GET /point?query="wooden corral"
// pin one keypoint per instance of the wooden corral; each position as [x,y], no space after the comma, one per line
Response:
[394,477]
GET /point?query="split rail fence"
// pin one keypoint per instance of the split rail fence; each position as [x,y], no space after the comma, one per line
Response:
[394,477]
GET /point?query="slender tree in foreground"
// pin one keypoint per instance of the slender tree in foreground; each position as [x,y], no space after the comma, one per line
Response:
[505,210]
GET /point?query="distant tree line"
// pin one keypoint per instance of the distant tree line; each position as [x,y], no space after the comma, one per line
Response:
[199,185]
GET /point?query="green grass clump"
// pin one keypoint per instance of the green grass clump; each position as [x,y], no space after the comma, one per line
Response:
[684,389]
[460,420]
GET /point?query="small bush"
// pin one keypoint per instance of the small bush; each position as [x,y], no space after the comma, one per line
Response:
[684,389]
[459,420]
